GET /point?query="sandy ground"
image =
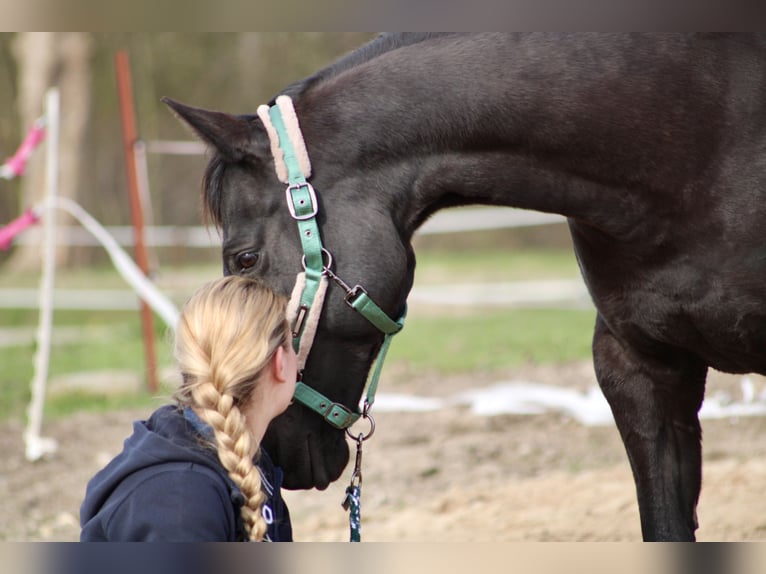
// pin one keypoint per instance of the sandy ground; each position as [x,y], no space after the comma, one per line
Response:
[442,476]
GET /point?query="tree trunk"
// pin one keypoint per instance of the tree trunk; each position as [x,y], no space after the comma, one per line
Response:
[45,60]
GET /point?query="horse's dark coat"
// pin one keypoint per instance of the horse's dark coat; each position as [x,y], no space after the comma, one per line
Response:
[654,147]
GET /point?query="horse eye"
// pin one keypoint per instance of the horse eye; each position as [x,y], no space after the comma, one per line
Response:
[247,260]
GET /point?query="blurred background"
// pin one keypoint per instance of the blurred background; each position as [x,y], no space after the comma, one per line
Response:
[233,72]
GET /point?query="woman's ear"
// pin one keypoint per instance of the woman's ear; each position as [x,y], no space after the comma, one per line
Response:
[278,365]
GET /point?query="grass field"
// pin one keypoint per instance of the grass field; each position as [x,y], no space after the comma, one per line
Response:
[445,343]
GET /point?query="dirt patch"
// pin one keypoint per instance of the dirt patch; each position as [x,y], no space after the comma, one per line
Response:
[448,475]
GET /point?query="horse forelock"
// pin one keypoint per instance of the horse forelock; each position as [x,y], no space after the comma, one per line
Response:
[212,191]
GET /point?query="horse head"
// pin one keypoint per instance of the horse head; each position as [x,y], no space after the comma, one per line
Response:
[243,196]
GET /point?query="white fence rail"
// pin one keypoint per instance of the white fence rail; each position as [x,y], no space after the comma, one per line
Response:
[447,221]
[455,220]
[564,293]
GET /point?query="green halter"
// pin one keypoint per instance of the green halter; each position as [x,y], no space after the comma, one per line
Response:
[303,206]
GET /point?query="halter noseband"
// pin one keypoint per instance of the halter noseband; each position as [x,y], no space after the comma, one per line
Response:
[305,307]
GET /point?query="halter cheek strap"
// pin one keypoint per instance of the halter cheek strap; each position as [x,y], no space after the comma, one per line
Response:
[304,321]
[292,165]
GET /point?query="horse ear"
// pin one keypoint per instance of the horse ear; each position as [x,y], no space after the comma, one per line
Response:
[233,136]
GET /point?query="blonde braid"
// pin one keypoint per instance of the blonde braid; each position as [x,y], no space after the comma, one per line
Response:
[226,336]
[234,444]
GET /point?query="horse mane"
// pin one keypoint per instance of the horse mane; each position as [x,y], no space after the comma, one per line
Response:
[381,44]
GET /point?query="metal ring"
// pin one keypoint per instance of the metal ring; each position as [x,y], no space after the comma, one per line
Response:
[360,436]
[324,252]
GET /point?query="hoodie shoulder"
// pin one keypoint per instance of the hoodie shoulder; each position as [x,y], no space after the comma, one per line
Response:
[164,476]
[172,502]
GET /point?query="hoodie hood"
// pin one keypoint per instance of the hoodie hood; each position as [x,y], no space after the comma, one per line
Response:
[167,436]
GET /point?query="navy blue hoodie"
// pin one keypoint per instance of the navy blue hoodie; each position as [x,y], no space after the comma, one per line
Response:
[168,485]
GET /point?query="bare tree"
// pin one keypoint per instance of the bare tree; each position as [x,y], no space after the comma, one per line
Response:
[47,59]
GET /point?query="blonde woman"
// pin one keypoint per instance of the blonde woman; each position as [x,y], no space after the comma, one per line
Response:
[194,471]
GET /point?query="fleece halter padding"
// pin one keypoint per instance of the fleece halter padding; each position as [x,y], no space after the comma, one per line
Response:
[285,105]
[310,321]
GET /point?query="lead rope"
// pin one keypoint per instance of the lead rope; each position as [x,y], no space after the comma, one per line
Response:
[353,500]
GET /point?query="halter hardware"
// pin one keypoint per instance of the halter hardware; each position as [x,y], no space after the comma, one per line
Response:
[296,206]
[352,295]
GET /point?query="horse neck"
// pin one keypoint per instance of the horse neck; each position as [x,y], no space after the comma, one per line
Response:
[554,124]
[381,44]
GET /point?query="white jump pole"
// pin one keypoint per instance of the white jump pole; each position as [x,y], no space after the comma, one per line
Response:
[36,445]
[145,289]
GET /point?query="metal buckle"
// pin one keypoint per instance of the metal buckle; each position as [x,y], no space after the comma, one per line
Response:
[352,294]
[291,205]
[300,318]
[330,412]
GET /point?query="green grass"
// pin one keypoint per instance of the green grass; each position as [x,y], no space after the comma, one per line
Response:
[82,341]
[487,342]
[79,401]
[435,267]
[474,341]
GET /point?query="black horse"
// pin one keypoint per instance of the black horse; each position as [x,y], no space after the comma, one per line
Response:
[652,145]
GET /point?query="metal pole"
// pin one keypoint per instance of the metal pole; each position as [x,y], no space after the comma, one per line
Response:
[129,138]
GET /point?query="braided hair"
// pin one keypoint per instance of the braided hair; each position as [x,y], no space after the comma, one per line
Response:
[227,334]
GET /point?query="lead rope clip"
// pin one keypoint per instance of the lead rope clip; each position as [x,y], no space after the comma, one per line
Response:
[353,500]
